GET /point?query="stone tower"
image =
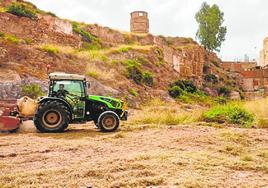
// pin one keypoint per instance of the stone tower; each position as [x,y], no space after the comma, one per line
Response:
[264,53]
[139,22]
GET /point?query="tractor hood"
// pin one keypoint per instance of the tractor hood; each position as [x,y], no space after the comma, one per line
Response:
[109,101]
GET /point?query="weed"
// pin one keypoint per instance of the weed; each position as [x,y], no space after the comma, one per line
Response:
[133,92]
[51,49]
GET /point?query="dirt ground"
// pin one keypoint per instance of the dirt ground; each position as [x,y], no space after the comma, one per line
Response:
[142,156]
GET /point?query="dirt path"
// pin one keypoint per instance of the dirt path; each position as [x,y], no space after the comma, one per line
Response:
[179,156]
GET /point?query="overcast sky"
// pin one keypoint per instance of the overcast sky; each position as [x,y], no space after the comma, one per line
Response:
[246,20]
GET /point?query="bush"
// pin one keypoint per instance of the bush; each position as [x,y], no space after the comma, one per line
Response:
[229,113]
[148,79]
[186,85]
[175,91]
[32,90]
[135,74]
[211,78]
[21,10]
[225,91]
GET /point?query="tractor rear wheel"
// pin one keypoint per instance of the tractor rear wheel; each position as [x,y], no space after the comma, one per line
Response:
[52,116]
[108,121]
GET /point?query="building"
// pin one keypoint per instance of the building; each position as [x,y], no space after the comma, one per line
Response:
[264,53]
[139,22]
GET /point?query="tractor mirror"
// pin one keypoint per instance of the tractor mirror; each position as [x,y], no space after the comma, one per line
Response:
[88,85]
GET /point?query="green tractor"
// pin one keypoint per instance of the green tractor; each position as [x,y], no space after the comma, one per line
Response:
[68,102]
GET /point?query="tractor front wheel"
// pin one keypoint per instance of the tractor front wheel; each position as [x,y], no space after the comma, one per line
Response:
[108,121]
[52,116]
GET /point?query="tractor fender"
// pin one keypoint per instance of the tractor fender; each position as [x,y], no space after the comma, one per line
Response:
[59,100]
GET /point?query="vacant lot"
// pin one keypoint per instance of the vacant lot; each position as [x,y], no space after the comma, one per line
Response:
[140,156]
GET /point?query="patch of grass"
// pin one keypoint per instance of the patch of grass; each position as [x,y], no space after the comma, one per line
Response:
[96,72]
[28,41]
[233,113]
[21,10]
[32,90]
[93,74]
[246,157]
[12,38]
[259,109]
[232,149]
[51,49]
[92,42]
[156,113]
[133,92]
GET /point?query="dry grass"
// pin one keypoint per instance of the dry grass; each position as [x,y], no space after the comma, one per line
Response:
[259,108]
[83,157]
[159,113]
[95,71]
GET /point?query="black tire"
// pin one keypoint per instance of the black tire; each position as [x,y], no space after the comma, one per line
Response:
[51,117]
[108,121]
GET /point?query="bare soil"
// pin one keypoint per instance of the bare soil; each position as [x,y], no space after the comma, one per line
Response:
[142,156]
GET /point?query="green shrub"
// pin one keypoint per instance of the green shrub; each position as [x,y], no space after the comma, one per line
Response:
[21,10]
[186,85]
[147,78]
[51,49]
[229,113]
[135,74]
[133,92]
[2,34]
[175,91]
[224,90]
[32,90]
[211,78]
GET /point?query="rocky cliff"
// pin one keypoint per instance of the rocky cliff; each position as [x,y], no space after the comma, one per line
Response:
[126,65]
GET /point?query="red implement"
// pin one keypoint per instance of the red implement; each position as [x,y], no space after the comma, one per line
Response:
[7,122]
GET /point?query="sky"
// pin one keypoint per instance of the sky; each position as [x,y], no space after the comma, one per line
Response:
[246,20]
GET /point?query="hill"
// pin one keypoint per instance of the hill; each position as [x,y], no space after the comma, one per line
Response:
[135,67]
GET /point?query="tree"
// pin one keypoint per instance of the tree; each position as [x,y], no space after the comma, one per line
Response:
[210,32]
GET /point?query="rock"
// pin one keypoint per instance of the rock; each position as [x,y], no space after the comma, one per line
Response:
[96,88]
[235,95]
[211,92]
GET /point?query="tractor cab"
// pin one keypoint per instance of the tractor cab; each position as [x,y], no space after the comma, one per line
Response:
[69,87]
